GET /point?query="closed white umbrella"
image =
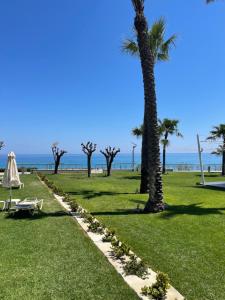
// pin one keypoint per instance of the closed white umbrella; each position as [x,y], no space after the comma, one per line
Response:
[11,176]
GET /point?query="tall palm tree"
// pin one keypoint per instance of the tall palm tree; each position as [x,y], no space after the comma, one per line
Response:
[217,133]
[159,47]
[150,141]
[167,127]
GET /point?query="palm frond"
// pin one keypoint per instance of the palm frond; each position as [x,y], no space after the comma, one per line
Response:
[131,47]
[160,47]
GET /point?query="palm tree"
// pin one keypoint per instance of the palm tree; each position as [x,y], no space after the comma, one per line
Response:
[217,133]
[159,48]
[1,144]
[150,142]
[137,131]
[167,127]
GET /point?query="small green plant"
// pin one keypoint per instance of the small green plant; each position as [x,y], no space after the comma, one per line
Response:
[159,289]
[74,206]
[66,198]
[88,218]
[120,250]
[108,236]
[136,267]
[115,242]
[95,227]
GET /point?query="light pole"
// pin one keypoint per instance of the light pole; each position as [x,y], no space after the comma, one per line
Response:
[133,148]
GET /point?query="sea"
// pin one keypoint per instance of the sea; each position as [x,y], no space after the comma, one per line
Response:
[122,160]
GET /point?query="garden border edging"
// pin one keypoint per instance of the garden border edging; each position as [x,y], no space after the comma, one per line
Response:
[136,283]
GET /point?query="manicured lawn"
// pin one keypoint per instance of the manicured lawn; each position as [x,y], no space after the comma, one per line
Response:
[49,257]
[186,241]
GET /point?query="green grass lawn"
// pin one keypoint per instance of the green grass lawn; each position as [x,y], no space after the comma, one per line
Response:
[50,257]
[186,241]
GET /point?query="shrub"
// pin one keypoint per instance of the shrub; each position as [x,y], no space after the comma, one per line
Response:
[136,267]
[95,227]
[115,242]
[120,250]
[108,236]
[158,289]
[88,218]
[67,198]
[74,206]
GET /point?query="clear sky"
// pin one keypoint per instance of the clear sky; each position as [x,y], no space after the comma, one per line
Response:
[64,78]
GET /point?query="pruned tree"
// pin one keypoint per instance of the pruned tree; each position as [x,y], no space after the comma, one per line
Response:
[88,149]
[57,155]
[2,144]
[109,153]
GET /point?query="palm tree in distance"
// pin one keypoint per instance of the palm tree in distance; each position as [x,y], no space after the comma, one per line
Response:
[167,127]
[218,133]
[159,48]
[137,131]
[150,141]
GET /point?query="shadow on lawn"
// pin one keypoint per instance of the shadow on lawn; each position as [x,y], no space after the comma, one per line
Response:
[26,215]
[89,194]
[118,212]
[194,209]
[210,175]
[205,187]
[133,177]
[171,210]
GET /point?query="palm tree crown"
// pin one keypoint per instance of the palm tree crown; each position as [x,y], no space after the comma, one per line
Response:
[218,132]
[169,127]
[137,131]
[158,45]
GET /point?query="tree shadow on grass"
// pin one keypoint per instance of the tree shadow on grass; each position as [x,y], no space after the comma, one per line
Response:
[210,175]
[117,212]
[207,187]
[194,209]
[89,194]
[133,177]
[27,215]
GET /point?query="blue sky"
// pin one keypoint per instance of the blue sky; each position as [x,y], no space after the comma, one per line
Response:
[64,78]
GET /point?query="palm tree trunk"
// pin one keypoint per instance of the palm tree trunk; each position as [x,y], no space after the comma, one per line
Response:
[150,140]
[223,159]
[164,153]
[164,159]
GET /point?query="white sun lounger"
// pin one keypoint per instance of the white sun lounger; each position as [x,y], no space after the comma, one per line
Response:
[6,203]
[29,204]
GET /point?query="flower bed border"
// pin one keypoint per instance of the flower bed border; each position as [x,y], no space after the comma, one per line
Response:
[136,283]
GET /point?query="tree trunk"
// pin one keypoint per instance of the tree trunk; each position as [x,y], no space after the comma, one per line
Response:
[223,159]
[164,153]
[109,166]
[57,161]
[89,165]
[150,141]
[164,159]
